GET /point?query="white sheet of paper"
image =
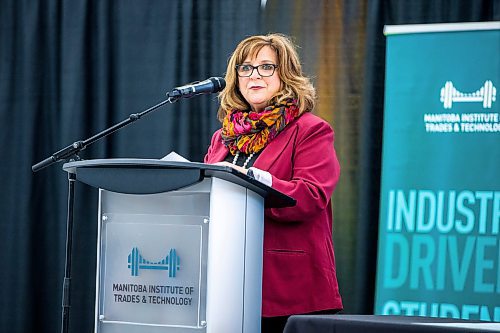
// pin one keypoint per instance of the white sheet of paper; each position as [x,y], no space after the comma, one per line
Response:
[174,157]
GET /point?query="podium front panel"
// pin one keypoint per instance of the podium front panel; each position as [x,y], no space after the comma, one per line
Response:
[153,261]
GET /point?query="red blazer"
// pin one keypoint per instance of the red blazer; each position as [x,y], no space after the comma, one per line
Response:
[299,264]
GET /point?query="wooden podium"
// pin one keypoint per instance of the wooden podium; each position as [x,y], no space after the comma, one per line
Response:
[179,245]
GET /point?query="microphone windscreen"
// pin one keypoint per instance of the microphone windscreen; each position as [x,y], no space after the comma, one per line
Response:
[219,83]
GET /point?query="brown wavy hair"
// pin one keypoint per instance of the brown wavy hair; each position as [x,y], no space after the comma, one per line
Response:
[293,82]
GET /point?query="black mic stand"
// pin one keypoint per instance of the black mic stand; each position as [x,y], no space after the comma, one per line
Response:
[71,153]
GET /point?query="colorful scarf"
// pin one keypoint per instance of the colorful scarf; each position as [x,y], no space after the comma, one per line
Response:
[250,131]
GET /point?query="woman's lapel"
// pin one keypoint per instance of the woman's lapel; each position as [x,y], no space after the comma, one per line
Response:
[275,148]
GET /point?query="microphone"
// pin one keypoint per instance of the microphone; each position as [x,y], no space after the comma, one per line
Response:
[209,86]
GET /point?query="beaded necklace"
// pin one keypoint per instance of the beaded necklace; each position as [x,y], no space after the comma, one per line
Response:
[235,159]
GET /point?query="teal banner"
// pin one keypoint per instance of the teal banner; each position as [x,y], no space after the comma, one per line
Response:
[439,249]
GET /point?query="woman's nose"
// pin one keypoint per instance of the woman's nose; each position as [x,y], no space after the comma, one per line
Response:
[255,73]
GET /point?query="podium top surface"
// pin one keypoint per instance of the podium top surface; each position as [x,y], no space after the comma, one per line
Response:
[148,176]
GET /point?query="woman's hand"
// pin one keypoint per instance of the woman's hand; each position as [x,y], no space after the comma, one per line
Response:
[237,168]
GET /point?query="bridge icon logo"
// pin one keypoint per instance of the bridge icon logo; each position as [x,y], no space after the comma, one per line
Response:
[170,263]
[486,95]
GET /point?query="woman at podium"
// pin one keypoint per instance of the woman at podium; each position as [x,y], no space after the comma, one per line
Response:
[269,132]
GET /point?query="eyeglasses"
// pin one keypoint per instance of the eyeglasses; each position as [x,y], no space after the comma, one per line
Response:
[263,70]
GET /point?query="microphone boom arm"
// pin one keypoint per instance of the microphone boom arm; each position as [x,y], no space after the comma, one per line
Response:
[77,146]
[211,85]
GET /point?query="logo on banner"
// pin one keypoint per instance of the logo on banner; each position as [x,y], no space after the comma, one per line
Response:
[481,120]
[486,94]
[170,263]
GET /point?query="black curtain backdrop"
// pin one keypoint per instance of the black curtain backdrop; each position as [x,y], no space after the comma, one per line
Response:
[69,69]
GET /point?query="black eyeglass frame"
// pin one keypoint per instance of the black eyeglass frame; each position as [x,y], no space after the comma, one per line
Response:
[256,68]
